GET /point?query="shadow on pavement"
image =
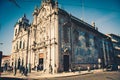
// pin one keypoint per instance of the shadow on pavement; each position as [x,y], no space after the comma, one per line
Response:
[109,78]
[9,78]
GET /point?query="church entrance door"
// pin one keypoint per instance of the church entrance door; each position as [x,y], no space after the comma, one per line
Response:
[66,62]
[41,56]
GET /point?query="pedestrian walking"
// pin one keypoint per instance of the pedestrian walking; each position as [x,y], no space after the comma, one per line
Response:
[15,70]
[23,70]
[26,71]
[51,69]
[20,69]
[79,69]
[88,69]
[5,67]
[37,68]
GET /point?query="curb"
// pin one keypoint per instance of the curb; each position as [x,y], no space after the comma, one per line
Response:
[57,75]
[63,76]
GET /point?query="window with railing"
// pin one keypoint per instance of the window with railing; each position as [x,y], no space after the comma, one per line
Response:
[17,45]
[20,44]
[24,45]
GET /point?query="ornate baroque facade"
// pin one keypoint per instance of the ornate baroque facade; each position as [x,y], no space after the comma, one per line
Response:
[58,41]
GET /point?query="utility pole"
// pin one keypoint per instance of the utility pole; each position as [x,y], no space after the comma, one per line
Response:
[0,62]
[0,55]
[0,30]
[83,10]
[27,65]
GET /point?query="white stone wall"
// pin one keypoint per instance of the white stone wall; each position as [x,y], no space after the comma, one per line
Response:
[46,37]
[17,51]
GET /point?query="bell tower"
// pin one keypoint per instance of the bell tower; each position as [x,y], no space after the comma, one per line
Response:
[47,0]
[22,23]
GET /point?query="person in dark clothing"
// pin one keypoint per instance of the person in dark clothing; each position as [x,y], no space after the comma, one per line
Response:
[37,68]
[5,67]
[15,70]
[26,71]
[51,69]
[41,67]
[22,70]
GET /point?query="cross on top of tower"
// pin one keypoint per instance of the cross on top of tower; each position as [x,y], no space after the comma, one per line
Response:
[24,15]
[48,1]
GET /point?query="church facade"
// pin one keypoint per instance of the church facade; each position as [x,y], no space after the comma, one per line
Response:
[59,42]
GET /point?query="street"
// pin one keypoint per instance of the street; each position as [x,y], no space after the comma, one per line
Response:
[94,76]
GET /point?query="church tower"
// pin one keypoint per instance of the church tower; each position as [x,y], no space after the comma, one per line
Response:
[22,23]
[19,42]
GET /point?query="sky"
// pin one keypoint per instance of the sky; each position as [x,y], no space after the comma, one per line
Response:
[105,14]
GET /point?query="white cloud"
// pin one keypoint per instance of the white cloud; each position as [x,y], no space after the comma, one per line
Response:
[106,18]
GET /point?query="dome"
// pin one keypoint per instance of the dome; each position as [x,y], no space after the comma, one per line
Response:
[23,19]
[20,20]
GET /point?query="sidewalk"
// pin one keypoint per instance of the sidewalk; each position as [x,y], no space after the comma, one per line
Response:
[38,75]
[64,74]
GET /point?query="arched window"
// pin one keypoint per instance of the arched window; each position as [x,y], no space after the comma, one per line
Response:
[17,45]
[24,45]
[20,44]
[14,48]
[15,32]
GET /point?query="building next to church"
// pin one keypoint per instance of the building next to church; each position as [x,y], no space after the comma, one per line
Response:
[58,41]
[5,61]
[116,45]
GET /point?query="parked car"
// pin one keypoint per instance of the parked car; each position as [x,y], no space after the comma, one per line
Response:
[111,68]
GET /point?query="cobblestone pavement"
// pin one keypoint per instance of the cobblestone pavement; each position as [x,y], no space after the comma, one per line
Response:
[37,75]
[84,75]
[94,76]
